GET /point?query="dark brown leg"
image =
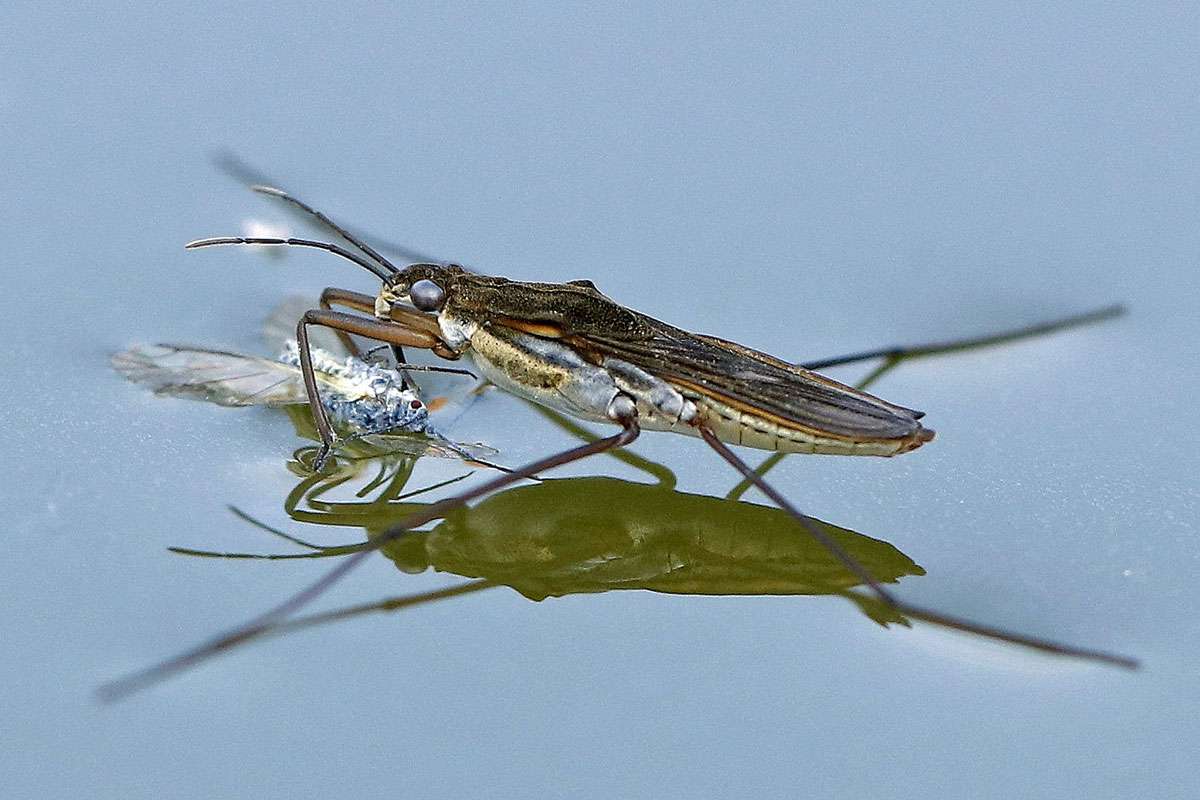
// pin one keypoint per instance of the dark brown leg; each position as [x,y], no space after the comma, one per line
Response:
[884,595]
[366,304]
[389,332]
[332,296]
[269,620]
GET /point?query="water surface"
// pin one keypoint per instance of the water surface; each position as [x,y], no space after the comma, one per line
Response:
[806,182]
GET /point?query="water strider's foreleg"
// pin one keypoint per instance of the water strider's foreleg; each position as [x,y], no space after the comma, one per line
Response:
[389,332]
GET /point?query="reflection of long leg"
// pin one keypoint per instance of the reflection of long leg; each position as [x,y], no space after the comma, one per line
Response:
[354,515]
[390,604]
[892,357]
[380,606]
[264,622]
[864,575]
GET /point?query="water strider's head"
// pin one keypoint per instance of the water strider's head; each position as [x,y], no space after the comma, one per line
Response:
[426,287]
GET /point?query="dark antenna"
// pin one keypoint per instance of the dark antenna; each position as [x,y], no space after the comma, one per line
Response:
[271,191]
[379,271]
[229,163]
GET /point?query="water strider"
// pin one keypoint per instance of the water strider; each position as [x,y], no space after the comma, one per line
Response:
[570,348]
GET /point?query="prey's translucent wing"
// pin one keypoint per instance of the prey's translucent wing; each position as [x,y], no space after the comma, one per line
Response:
[367,400]
[227,379]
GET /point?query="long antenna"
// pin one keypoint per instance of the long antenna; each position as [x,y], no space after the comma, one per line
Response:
[271,191]
[380,272]
[232,165]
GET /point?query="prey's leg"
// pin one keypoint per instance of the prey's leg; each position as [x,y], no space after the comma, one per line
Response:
[864,575]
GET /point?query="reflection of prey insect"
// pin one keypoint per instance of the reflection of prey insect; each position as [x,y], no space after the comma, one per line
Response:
[570,348]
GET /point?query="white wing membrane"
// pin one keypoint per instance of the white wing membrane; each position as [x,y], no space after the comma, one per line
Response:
[227,379]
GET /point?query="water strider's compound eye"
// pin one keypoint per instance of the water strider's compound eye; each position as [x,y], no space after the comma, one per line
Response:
[427,295]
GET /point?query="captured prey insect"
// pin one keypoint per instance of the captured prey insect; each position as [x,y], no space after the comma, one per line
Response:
[570,348]
[375,404]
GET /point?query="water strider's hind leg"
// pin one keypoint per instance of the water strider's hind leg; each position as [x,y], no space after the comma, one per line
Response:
[893,356]
[896,354]
[864,575]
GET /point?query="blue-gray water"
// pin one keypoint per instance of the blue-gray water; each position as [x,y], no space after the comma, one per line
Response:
[801,180]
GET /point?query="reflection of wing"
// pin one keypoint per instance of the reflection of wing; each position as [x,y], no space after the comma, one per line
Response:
[429,443]
[575,535]
[227,379]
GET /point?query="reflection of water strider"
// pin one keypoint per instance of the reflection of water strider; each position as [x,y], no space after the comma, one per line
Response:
[587,535]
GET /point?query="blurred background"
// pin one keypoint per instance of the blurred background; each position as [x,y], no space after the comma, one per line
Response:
[804,180]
